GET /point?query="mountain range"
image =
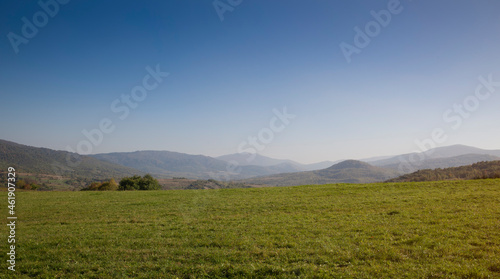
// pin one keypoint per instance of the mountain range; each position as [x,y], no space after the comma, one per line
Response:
[247,159]
[244,167]
[72,170]
[349,171]
[441,157]
[481,170]
[256,168]
[234,166]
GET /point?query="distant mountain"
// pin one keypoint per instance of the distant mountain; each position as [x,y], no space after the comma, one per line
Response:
[247,159]
[34,160]
[458,149]
[457,161]
[373,159]
[349,171]
[320,165]
[254,171]
[174,164]
[51,166]
[479,170]
[166,163]
[441,157]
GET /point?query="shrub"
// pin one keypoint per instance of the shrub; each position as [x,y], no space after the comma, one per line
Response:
[147,182]
[110,185]
[27,184]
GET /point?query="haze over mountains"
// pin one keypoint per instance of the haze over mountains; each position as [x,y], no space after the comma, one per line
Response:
[233,166]
[349,171]
[247,159]
[441,157]
[256,169]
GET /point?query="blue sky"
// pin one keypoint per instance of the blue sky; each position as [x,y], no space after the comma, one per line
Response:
[226,77]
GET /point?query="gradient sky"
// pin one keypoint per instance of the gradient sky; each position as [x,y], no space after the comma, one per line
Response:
[226,77]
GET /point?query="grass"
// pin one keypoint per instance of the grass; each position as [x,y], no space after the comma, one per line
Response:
[392,230]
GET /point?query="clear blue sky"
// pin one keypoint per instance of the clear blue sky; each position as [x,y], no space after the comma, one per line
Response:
[226,77]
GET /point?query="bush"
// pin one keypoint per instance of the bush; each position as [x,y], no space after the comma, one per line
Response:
[147,182]
[110,185]
[27,184]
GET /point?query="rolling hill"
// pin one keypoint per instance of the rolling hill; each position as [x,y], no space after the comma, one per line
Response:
[166,163]
[176,164]
[247,159]
[34,160]
[479,170]
[441,157]
[52,166]
[457,161]
[349,171]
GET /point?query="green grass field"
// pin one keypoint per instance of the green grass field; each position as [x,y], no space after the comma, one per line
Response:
[395,230]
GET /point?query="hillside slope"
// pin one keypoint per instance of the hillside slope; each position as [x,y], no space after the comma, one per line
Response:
[443,157]
[34,160]
[479,170]
[246,159]
[175,164]
[457,161]
[349,171]
[166,163]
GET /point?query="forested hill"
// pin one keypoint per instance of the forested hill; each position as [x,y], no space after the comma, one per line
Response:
[479,170]
[34,160]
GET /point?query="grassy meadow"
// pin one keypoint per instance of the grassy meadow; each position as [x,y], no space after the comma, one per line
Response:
[387,230]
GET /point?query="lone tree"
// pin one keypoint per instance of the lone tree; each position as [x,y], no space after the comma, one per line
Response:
[147,182]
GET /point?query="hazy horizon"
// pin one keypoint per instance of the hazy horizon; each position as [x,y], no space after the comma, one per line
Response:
[279,158]
[321,81]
